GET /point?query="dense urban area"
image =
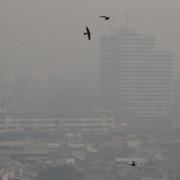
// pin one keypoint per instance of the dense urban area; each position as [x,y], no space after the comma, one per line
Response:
[93,143]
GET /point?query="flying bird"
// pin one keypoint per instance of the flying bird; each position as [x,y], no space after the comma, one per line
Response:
[133,163]
[105,17]
[88,33]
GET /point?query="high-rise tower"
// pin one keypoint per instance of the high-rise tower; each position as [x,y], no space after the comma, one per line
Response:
[135,76]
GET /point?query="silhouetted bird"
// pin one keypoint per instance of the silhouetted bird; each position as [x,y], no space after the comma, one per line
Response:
[133,163]
[88,33]
[105,17]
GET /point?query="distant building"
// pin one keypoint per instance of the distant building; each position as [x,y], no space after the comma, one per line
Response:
[56,122]
[135,77]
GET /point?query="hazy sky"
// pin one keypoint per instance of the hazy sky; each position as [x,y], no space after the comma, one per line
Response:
[51,30]
[49,33]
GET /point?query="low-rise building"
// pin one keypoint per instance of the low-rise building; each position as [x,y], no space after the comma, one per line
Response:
[94,123]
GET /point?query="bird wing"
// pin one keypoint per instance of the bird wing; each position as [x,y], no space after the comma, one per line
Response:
[88,33]
[89,36]
[87,29]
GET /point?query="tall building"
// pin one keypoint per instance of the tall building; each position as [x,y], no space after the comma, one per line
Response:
[135,77]
[5,84]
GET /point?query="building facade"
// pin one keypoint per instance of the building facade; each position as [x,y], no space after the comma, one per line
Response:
[56,122]
[135,76]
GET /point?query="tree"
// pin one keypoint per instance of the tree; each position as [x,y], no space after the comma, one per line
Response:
[63,172]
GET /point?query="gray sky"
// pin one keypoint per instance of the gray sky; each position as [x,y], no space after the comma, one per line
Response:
[49,33]
[41,27]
